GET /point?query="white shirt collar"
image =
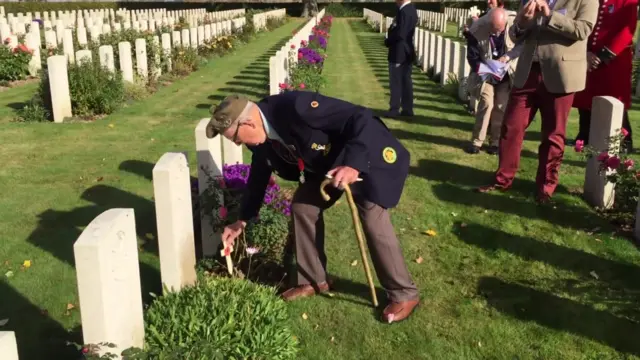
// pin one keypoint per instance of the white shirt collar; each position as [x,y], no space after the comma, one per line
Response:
[401,6]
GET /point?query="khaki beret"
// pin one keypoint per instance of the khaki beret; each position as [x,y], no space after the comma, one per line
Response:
[225,114]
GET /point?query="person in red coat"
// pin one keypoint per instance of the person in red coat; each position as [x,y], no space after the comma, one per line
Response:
[609,56]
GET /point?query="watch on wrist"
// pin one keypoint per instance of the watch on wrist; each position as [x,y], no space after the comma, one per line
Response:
[605,55]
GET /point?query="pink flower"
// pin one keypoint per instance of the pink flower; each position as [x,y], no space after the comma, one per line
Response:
[628,164]
[299,56]
[283,86]
[579,145]
[604,156]
[301,86]
[624,132]
[293,46]
[222,212]
[613,162]
[252,250]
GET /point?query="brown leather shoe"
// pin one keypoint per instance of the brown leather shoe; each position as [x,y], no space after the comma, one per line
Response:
[307,290]
[490,188]
[398,311]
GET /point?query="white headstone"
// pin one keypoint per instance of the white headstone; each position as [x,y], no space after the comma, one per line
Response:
[105,52]
[209,156]
[67,45]
[126,61]
[8,345]
[59,87]
[166,49]
[606,121]
[107,269]
[141,58]
[35,64]
[174,216]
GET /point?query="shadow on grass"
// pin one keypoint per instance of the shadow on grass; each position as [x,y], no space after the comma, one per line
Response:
[56,233]
[37,334]
[457,183]
[527,304]
[252,81]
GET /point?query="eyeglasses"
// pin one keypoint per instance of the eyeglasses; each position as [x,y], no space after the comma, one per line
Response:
[235,134]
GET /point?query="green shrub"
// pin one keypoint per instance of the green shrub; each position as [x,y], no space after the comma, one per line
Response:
[184,60]
[235,318]
[14,63]
[343,10]
[269,233]
[94,89]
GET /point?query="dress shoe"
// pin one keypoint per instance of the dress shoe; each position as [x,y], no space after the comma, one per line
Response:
[391,114]
[543,199]
[406,113]
[302,291]
[493,187]
[492,150]
[398,311]
[472,149]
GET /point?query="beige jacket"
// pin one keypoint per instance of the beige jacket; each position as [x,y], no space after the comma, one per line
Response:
[560,42]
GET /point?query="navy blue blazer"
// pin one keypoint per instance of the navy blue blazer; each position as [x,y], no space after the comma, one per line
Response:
[325,133]
[400,36]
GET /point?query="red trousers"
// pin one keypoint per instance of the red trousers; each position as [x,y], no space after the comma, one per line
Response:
[521,109]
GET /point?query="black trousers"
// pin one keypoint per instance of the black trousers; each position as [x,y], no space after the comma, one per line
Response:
[401,87]
[585,124]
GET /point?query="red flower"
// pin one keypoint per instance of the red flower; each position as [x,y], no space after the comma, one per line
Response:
[624,132]
[300,56]
[613,162]
[85,350]
[579,145]
[604,156]
[303,43]
[628,164]
[301,86]
[293,46]
[283,86]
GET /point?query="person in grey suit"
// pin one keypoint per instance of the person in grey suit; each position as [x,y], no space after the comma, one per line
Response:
[401,56]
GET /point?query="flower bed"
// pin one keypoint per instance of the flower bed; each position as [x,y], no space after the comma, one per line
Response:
[260,255]
[620,170]
[14,63]
[308,59]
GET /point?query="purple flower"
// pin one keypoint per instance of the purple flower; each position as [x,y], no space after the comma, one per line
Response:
[320,40]
[236,177]
[310,56]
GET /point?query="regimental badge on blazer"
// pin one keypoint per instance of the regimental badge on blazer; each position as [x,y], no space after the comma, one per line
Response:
[324,148]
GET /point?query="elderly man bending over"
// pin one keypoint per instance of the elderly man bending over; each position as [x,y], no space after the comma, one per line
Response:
[488,40]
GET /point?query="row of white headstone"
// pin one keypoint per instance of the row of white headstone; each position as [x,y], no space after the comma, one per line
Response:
[427,19]
[285,58]
[106,253]
[58,70]
[456,13]
[260,20]
[91,18]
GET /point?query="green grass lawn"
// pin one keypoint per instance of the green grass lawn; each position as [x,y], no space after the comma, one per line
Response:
[56,178]
[502,278]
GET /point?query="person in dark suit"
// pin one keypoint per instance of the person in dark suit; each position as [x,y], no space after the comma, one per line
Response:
[304,136]
[401,55]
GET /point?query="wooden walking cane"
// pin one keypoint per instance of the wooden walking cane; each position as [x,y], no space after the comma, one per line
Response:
[356,224]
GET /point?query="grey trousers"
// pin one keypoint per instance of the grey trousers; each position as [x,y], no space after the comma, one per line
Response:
[401,87]
[308,224]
